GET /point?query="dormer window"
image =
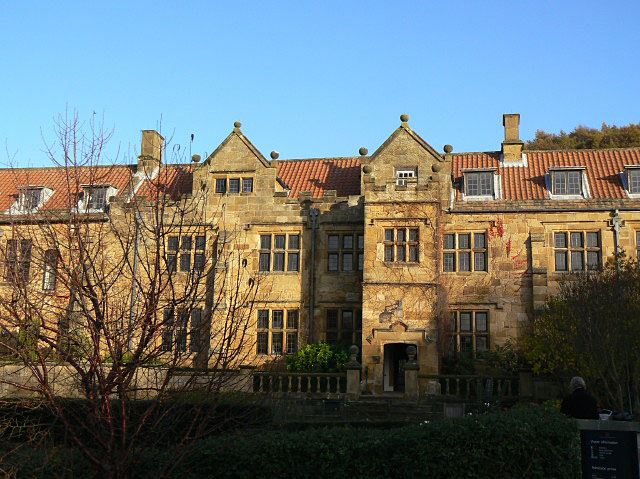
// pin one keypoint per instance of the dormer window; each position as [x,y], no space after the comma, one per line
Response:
[631,180]
[568,182]
[96,198]
[405,176]
[480,184]
[30,198]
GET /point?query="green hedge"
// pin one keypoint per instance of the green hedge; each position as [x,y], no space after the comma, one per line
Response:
[524,443]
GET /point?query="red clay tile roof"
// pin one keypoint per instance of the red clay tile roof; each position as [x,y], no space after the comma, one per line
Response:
[603,168]
[174,180]
[65,182]
[318,175]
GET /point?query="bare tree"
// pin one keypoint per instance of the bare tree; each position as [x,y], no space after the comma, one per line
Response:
[119,281]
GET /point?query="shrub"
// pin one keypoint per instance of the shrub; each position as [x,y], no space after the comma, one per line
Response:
[318,358]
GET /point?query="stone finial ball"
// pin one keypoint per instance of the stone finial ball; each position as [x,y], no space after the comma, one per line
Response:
[353,350]
[195,158]
[363,151]
[448,148]
[367,169]
[436,167]
[411,350]
[404,118]
[275,155]
[237,124]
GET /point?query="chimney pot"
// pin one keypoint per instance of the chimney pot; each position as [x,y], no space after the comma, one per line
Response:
[151,151]
[512,145]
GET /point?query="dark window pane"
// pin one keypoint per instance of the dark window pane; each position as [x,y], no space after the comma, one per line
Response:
[360,241]
[198,262]
[576,240]
[560,240]
[347,320]
[482,343]
[402,235]
[186,243]
[278,261]
[234,185]
[466,344]
[358,320]
[294,241]
[413,253]
[332,319]
[172,243]
[262,343]
[221,185]
[201,242]
[196,317]
[593,240]
[185,262]
[247,185]
[332,262]
[449,242]
[388,253]
[292,319]
[480,261]
[464,262]
[332,337]
[486,183]
[293,262]
[593,260]
[479,240]
[168,316]
[181,340]
[464,241]
[449,261]
[195,340]
[401,253]
[292,343]
[347,242]
[413,235]
[481,322]
[276,343]
[279,242]
[265,242]
[465,321]
[333,242]
[265,260]
[167,340]
[347,262]
[360,261]
[263,319]
[471,184]
[388,235]
[277,319]
[561,261]
[577,261]
[171,263]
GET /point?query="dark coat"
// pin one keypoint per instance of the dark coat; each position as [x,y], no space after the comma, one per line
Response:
[581,405]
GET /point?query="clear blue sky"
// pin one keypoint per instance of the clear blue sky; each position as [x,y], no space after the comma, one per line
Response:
[320,78]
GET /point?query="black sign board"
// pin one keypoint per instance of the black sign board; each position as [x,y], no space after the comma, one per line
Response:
[609,454]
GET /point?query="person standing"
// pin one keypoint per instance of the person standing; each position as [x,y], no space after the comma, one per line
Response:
[579,404]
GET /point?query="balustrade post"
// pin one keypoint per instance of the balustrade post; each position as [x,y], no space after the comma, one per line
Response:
[245,380]
[353,374]
[411,369]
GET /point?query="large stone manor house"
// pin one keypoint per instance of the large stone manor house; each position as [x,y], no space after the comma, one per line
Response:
[406,245]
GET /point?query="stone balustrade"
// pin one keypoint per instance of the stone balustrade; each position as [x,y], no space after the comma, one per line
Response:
[470,386]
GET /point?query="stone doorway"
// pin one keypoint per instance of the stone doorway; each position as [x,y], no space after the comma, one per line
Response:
[395,357]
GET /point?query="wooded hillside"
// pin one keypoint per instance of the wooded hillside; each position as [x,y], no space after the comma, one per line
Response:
[583,137]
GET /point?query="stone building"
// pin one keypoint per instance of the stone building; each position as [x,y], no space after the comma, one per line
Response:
[405,246]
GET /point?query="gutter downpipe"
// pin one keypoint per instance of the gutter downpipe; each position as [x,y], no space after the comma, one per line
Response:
[133,281]
[313,215]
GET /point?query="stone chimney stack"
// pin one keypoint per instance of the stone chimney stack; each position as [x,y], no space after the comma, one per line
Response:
[512,145]
[151,151]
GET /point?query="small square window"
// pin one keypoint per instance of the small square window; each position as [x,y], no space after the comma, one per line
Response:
[360,241]
[479,240]
[347,262]
[465,321]
[449,241]
[277,319]
[333,242]
[201,242]
[464,261]
[560,240]
[388,235]
[464,241]
[278,261]
[293,262]
[186,243]
[221,185]
[332,319]
[347,242]
[593,240]
[333,262]
[276,343]
[247,185]
[262,343]
[449,261]
[294,241]
[279,242]
[561,261]
[292,319]
[479,183]
[198,262]
[576,240]
[265,261]
[265,242]
[263,319]
[185,262]
[634,180]
[172,243]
